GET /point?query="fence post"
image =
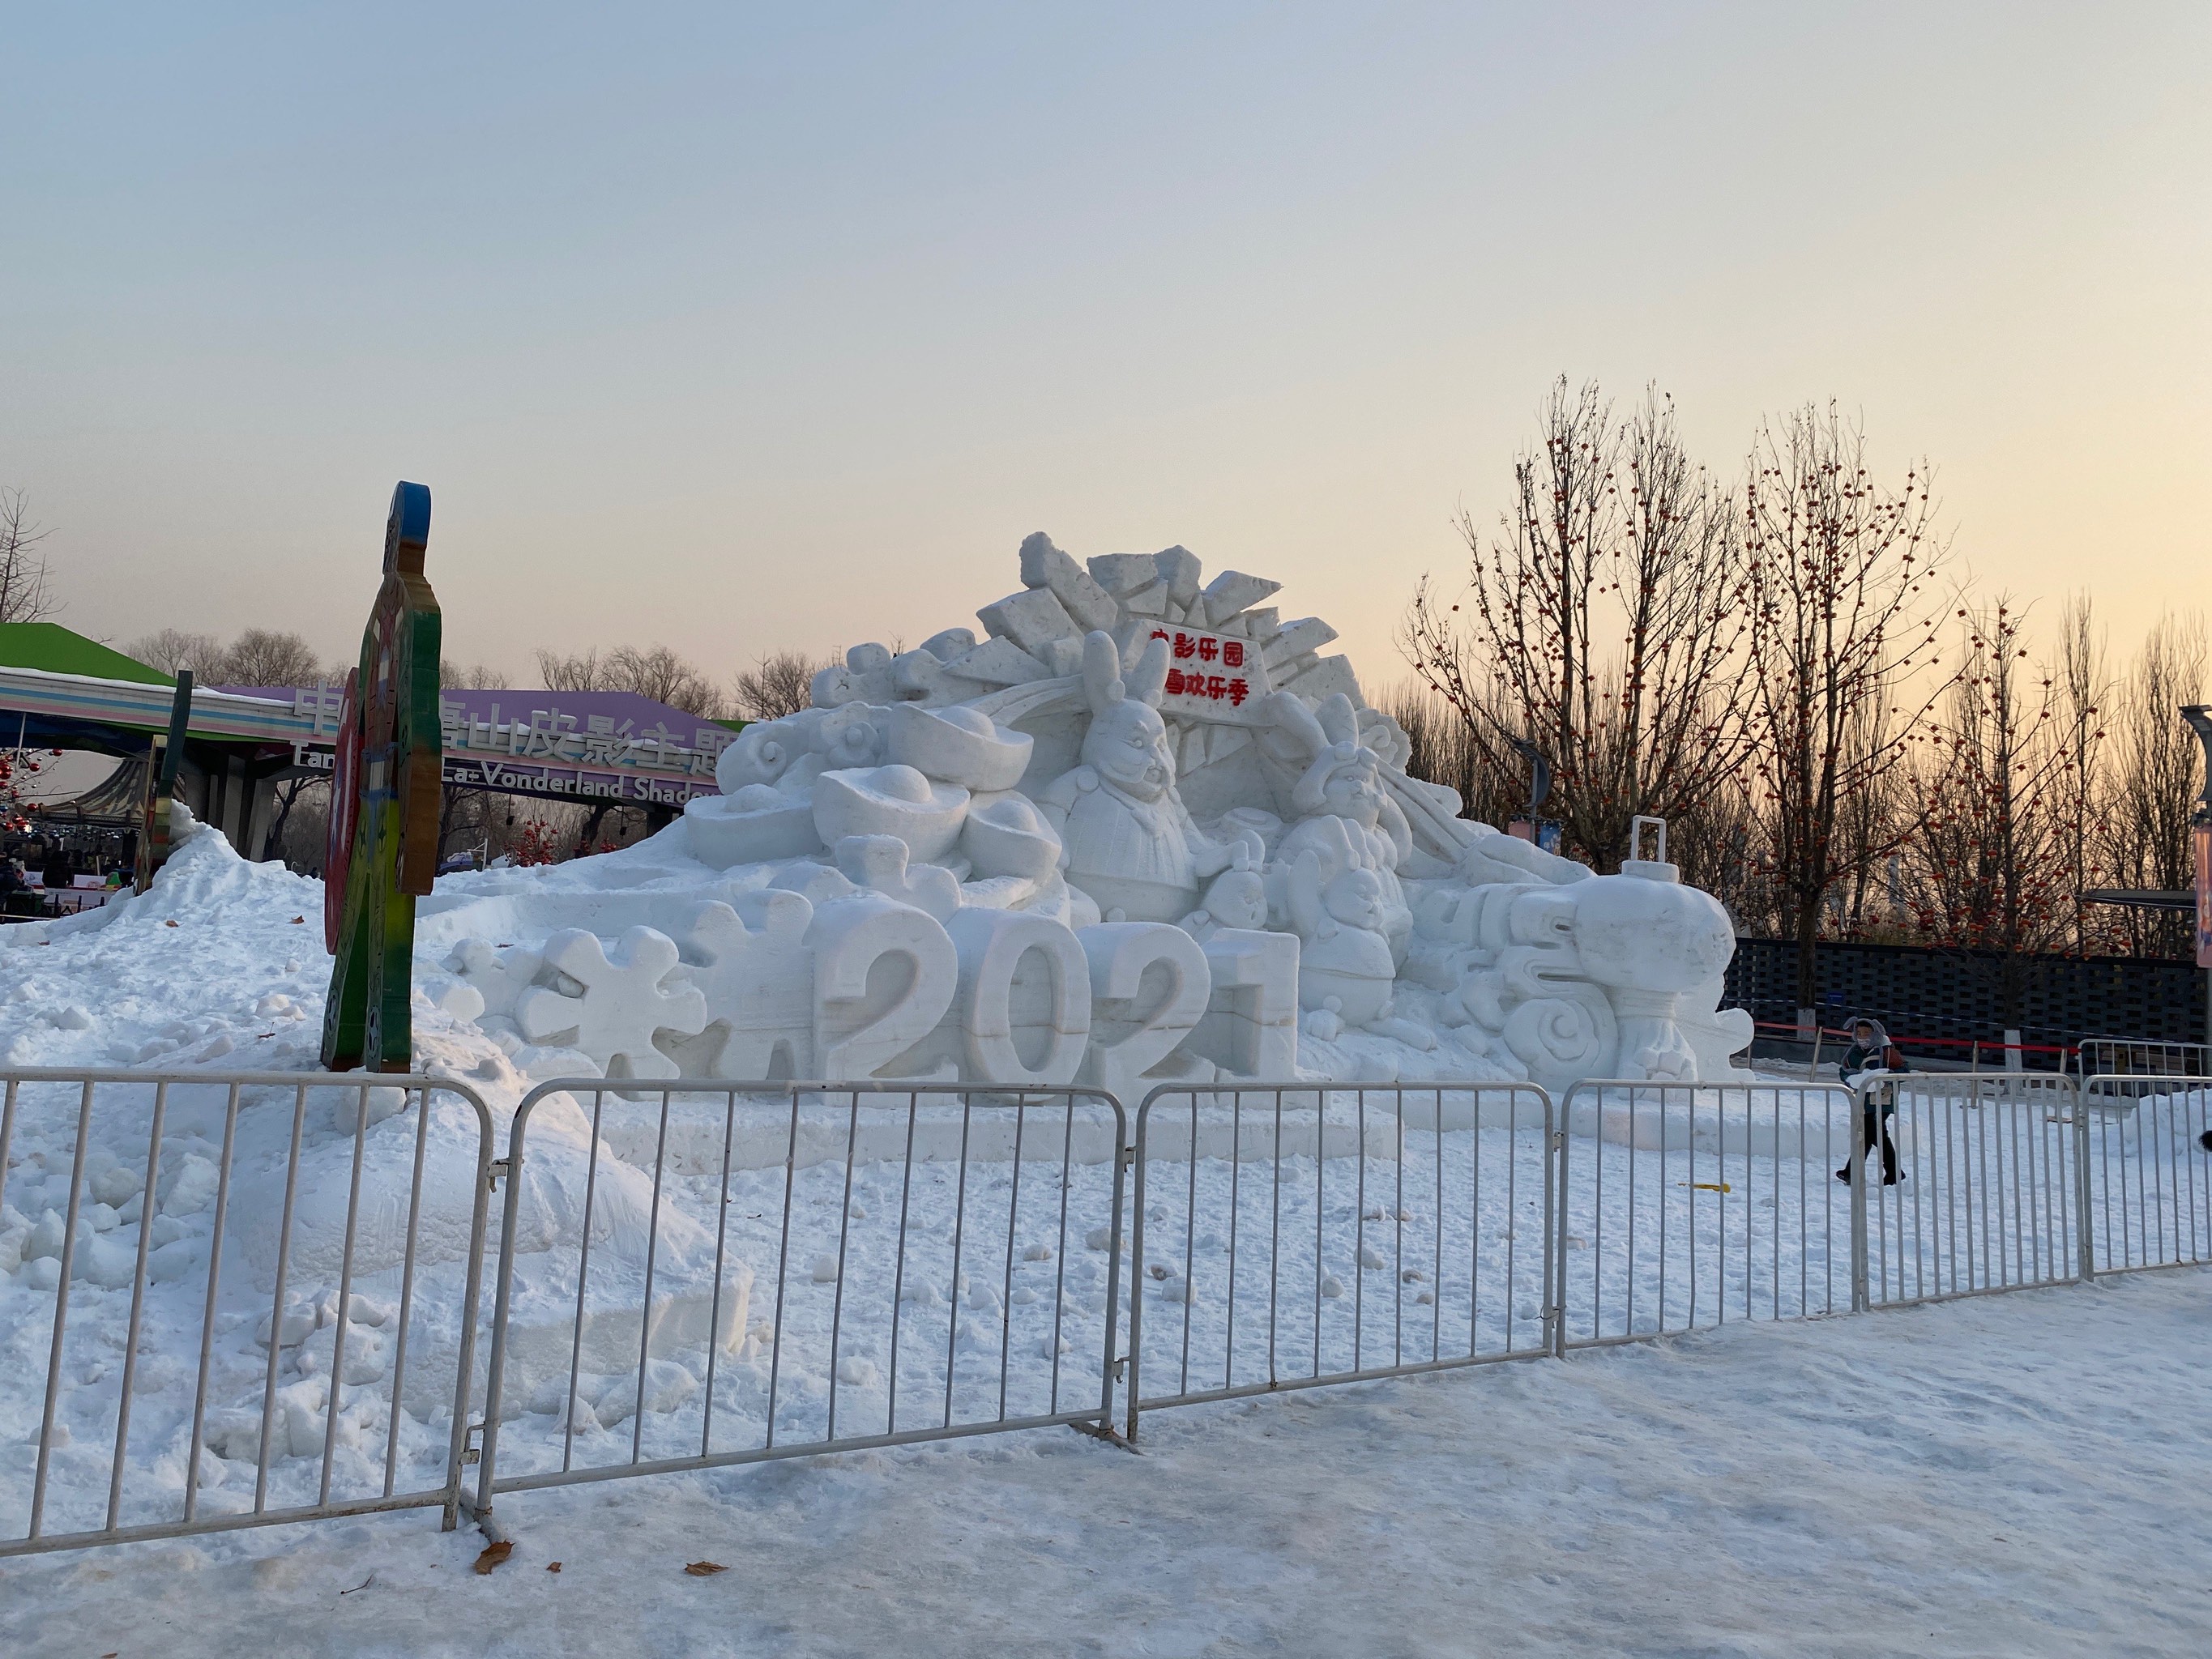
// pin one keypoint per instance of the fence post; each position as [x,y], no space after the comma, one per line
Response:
[496,1364]
[1862,1102]
[1132,1170]
[1555,1236]
[1125,1160]
[2084,1236]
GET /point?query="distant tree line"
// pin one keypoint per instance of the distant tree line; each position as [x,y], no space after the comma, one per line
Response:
[1846,742]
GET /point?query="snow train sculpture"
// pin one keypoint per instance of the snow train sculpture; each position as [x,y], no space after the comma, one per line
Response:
[1141,830]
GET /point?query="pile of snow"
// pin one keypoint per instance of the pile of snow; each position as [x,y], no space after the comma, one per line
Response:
[220,968]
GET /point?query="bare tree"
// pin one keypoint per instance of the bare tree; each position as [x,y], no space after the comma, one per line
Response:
[780,683]
[1443,750]
[1838,570]
[657,672]
[660,674]
[173,649]
[471,676]
[2154,780]
[1605,625]
[266,656]
[1991,855]
[23,596]
[1720,844]
[2085,691]
[1868,823]
[581,671]
[308,786]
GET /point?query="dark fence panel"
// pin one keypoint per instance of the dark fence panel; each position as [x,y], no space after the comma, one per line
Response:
[1975,994]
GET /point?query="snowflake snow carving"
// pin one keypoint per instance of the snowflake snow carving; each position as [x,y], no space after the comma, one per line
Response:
[756,979]
[624,1005]
[499,976]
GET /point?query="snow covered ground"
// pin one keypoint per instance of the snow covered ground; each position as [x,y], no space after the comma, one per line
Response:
[2016,1475]
[1761,1491]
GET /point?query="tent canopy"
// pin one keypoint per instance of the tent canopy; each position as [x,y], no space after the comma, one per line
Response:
[54,649]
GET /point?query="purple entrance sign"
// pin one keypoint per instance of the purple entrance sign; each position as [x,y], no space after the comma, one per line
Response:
[587,745]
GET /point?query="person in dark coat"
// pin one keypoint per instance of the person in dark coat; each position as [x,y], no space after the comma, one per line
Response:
[1872,1052]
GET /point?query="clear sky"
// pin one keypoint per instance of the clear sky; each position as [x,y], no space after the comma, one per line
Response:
[735,327]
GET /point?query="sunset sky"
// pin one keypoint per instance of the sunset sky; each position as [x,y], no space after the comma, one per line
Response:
[736,328]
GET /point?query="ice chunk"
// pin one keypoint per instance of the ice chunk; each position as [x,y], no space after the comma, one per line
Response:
[191,1187]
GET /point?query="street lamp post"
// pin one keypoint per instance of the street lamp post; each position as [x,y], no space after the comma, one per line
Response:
[2199,717]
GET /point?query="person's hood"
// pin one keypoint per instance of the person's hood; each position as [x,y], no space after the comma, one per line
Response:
[1879,1041]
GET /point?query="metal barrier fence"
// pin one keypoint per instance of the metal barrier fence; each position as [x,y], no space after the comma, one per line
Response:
[245,1297]
[2135,1057]
[1684,1206]
[1972,1183]
[1286,1237]
[2147,1190]
[803,1268]
[229,1310]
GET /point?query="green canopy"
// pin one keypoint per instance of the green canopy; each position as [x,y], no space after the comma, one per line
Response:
[54,649]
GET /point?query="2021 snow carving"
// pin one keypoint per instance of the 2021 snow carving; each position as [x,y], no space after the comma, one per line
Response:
[1139,831]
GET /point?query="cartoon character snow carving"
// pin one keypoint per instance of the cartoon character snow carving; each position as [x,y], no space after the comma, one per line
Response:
[1131,844]
[1347,820]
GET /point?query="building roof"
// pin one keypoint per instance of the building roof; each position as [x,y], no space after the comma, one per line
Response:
[54,649]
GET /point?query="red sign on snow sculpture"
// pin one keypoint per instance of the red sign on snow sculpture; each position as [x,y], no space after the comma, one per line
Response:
[1210,677]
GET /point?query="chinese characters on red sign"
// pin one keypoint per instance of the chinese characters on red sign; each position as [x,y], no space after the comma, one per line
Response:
[1207,666]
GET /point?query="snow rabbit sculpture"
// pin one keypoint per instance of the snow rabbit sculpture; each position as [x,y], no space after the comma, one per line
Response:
[1346,817]
[1131,845]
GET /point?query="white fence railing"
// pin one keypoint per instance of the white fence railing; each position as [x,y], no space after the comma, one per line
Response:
[215,1330]
[809,1267]
[1688,1204]
[235,1299]
[2147,1187]
[1987,1189]
[2096,1057]
[1287,1237]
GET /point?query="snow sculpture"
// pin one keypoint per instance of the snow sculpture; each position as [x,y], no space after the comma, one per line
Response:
[1346,974]
[1024,984]
[623,1004]
[884,974]
[1250,1027]
[1136,827]
[1149,985]
[1130,842]
[1348,823]
[756,978]
[959,746]
[890,800]
[879,864]
[499,977]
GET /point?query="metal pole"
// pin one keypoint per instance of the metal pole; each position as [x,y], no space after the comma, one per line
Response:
[1862,1102]
[2083,1189]
[180,715]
